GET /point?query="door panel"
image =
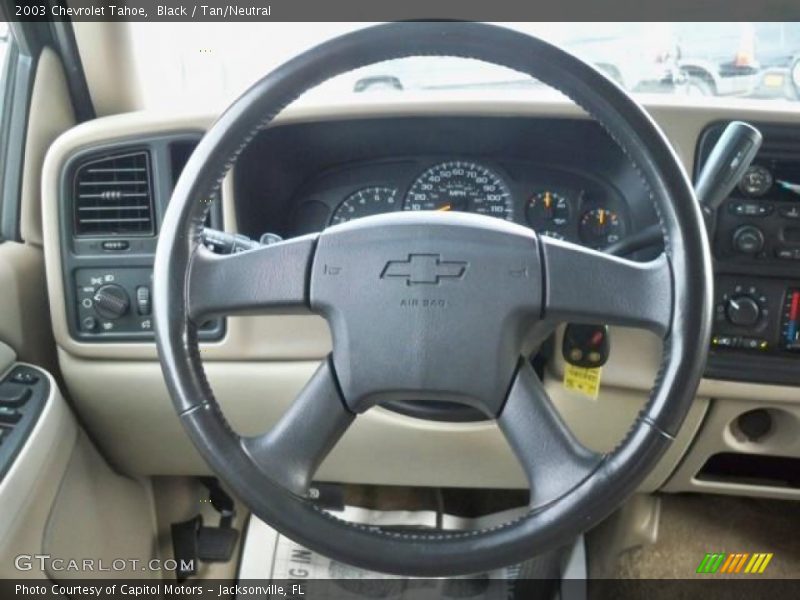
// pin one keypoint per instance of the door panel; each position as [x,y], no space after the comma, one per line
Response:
[24,315]
[58,494]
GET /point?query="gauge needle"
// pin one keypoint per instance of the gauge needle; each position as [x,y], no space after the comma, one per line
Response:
[548,200]
[602,216]
[445,207]
[792,187]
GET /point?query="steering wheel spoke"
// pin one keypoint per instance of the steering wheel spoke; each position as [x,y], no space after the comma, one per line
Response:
[584,285]
[292,451]
[554,461]
[270,279]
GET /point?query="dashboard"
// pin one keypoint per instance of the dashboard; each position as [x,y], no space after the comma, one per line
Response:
[564,178]
[539,164]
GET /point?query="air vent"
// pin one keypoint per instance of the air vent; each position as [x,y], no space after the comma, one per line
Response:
[114,196]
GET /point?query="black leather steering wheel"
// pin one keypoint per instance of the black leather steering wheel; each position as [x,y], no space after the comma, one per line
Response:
[434,306]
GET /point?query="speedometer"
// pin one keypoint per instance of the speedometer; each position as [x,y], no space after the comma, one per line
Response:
[461,186]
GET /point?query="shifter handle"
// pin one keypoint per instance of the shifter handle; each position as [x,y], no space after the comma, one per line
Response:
[729,159]
[725,166]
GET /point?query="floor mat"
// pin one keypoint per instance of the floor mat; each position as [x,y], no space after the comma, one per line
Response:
[692,525]
[269,556]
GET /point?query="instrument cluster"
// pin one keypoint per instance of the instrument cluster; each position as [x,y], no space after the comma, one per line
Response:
[557,203]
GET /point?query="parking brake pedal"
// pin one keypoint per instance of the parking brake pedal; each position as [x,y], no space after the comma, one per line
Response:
[217,544]
[193,541]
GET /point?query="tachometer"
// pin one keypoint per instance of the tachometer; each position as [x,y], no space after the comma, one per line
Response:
[461,186]
[600,227]
[366,202]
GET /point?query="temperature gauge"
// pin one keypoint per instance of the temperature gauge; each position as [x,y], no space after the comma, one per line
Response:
[600,227]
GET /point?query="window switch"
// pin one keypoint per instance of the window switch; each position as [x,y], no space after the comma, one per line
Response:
[9,415]
[14,396]
[24,377]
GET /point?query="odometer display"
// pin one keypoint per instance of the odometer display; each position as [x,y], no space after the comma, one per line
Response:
[461,186]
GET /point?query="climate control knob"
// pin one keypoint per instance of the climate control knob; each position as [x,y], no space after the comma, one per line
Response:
[743,311]
[111,301]
[748,239]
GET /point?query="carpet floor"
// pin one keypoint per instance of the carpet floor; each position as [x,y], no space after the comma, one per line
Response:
[692,525]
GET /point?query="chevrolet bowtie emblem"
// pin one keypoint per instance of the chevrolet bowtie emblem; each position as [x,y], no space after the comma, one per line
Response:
[424,268]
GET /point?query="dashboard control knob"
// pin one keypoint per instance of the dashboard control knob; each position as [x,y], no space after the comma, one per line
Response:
[111,301]
[743,311]
[748,239]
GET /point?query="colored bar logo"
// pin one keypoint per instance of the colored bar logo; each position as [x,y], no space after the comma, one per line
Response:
[737,563]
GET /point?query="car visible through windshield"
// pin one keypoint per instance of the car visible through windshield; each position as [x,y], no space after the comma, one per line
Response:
[692,62]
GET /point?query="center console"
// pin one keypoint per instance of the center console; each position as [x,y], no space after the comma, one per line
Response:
[756,252]
[113,200]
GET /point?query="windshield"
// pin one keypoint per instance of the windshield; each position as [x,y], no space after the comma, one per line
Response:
[200,65]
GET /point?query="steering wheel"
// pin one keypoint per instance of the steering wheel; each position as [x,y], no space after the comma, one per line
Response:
[434,306]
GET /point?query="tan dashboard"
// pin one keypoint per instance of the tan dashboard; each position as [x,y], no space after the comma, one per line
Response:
[261,362]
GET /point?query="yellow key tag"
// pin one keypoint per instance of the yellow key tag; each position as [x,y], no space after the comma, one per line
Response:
[582,380]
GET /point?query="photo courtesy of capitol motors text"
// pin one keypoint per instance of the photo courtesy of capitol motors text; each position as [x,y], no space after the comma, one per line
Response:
[208,590]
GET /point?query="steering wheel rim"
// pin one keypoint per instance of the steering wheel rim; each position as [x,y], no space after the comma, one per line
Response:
[270,472]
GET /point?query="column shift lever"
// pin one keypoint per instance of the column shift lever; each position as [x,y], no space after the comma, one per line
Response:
[729,159]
